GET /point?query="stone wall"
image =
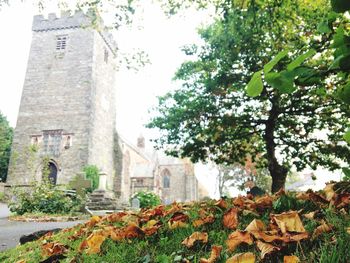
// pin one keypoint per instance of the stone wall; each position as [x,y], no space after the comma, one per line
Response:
[70,90]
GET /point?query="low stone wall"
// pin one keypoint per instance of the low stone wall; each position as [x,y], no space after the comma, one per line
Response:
[2,187]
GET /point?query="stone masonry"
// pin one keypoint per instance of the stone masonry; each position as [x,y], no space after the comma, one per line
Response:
[67,110]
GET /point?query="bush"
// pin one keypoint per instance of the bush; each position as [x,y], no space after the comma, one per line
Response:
[147,199]
[92,173]
[44,198]
[2,197]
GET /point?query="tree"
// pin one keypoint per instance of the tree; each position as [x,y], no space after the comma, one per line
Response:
[211,116]
[6,134]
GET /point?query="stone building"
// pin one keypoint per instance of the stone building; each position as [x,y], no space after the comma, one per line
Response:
[144,169]
[67,109]
[67,117]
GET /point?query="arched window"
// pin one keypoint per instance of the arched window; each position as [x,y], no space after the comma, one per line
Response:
[166,178]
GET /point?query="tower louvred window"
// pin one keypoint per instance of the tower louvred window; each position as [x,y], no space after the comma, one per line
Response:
[61,42]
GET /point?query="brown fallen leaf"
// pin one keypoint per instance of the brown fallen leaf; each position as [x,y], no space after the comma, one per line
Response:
[230,219]
[93,221]
[342,200]
[323,228]
[310,215]
[202,221]
[266,248]
[264,202]
[196,236]
[242,258]
[177,224]
[214,255]
[291,259]
[256,225]
[221,203]
[21,261]
[94,242]
[238,237]
[289,221]
[52,248]
[329,191]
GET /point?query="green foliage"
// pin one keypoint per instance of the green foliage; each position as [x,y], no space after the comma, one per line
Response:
[212,117]
[147,199]
[44,198]
[346,172]
[6,134]
[255,85]
[92,173]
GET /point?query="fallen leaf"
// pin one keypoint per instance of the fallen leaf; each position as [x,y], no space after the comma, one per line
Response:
[214,255]
[342,200]
[196,236]
[93,221]
[21,261]
[52,248]
[178,216]
[310,215]
[266,248]
[329,191]
[256,225]
[242,258]
[289,221]
[115,217]
[291,259]
[177,224]
[94,242]
[238,237]
[323,228]
[221,203]
[348,230]
[202,221]
[264,202]
[230,219]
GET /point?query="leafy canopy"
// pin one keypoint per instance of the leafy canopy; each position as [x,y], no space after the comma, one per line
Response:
[270,46]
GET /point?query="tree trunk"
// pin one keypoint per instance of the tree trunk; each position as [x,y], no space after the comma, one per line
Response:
[278,172]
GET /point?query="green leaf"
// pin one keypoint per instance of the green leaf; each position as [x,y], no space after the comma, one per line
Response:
[346,172]
[347,136]
[299,60]
[255,85]
[343,93]
[323,27]
[284,81]
[340,6]
[269,66]
[306,76]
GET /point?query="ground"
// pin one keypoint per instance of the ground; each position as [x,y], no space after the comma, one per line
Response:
[11,231]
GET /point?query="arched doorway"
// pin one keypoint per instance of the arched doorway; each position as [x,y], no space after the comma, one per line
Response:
[52,173]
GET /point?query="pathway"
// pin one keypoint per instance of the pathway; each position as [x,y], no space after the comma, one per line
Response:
[11,231]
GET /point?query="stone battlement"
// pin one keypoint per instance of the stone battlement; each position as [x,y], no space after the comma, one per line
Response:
[79,19]
[68,21]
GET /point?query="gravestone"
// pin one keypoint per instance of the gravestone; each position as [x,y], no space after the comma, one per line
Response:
[79,184]
[135,203]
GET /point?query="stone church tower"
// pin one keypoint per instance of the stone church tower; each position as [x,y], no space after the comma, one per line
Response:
[67,110]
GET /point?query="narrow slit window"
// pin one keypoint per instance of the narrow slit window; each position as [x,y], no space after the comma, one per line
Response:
[106,55]
[61,43]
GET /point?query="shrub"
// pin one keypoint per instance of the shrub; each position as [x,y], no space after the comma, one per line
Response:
[2,197]
[147,199]
[92,173]
[44,198]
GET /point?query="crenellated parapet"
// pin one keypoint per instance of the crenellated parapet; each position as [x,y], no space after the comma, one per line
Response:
[68,21]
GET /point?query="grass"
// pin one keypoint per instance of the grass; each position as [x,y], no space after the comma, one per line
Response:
[165,246]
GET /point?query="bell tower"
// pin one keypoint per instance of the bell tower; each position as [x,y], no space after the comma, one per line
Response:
[67,109]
